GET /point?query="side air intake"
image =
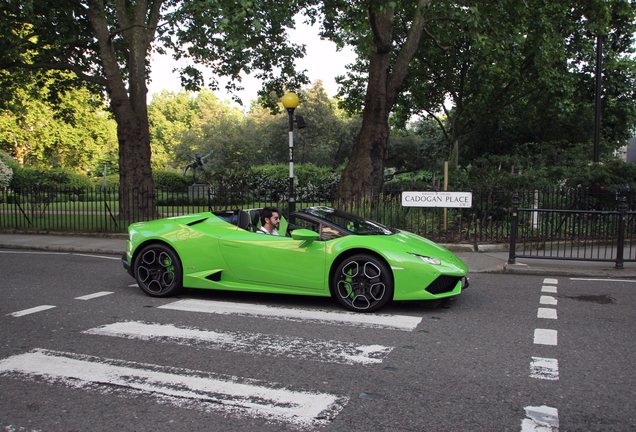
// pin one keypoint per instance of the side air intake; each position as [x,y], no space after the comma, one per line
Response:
[214,277]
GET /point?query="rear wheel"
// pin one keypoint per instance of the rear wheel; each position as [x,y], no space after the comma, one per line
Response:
[158,271]
[362,283]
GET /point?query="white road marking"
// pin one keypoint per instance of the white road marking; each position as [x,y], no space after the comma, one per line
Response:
[604,280]
[540,419]
[31,310]
[397,322]
[98,256]
[549,289]
[545,337]
[133,285]
[33,253]
[550,281]
[548,300]
[547,313]
[94,295]
[544,368]
[181,387]
[252,343]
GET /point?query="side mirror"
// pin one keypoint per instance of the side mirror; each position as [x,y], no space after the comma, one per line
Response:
[305,235]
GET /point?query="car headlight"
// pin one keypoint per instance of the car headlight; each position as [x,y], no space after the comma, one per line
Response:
[428,259]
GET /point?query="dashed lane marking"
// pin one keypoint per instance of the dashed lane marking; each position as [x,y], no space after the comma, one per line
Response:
[251,343]
[181,387]
[548,281]
[547,313]
[545,337]
[544,368]
[549,289]
[540,419]
[94,295]
[31,310]
[548,300]
[396,322]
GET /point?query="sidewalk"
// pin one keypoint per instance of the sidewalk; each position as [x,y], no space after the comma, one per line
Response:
[495,260]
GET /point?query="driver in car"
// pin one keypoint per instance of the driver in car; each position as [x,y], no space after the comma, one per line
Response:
[270,219]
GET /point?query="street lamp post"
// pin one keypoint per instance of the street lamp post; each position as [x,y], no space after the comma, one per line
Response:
[290,102]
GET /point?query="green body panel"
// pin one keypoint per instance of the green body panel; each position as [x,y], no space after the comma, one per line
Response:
[218,255]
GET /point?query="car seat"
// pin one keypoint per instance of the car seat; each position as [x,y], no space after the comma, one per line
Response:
[244,220]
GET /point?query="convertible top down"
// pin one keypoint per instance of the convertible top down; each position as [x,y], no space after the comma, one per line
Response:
[324,252]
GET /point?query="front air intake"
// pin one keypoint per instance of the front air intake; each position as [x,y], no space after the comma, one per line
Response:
[443,284]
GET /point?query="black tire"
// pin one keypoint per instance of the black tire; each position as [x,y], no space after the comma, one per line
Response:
[158,270]
[362,283]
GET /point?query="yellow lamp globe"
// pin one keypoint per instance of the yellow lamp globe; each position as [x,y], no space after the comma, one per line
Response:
[290,100]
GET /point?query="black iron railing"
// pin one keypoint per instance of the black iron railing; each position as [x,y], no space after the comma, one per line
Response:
[99,210]
[591,232]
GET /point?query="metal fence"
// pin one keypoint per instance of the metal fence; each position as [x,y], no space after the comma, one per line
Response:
[487,221]
[586,230]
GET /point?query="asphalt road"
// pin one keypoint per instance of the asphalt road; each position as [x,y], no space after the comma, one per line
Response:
[486,363]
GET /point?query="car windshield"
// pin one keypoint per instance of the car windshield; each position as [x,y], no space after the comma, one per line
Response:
[352,223]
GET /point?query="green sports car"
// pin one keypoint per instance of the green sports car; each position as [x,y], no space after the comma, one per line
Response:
[326,252]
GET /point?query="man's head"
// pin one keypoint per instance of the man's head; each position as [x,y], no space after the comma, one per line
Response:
[270,218]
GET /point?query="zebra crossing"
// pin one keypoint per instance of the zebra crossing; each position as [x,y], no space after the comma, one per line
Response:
[216,391]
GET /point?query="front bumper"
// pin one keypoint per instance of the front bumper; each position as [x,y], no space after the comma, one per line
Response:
[127,266]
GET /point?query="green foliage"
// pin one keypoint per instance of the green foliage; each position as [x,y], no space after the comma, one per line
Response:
[9,161]
[186,124]
[55,179]
[6,174]
[271,182]
[71,134]
[170,181]
[544,166]
[422,180]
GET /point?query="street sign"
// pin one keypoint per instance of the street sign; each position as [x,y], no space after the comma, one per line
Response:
[437,199]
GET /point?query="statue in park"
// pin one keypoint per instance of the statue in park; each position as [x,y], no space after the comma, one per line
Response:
[197,163]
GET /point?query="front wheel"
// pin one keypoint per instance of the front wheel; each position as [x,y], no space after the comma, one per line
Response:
[362,283]
[158,272]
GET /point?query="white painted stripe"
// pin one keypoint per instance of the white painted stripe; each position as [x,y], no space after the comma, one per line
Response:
[31,310]
[544,368]
[540,419]
[604,280]
[251,343]
[548,300]
[545,337]
[547,313]
[549,289]
[181,387]
[133,285]
[94,295]
[397,322]
[33,253]
[98,256]
[550,281]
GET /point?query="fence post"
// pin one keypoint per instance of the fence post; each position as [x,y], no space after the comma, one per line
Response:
[513,228]
[622,215]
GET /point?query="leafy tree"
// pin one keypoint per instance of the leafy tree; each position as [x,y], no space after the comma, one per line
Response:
[107,43]
[523,72]
[386,35]
[70,134]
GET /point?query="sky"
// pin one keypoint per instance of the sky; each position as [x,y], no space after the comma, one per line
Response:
[322,62]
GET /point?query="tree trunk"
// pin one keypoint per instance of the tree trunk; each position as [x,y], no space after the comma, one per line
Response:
[136,27]
[364,174]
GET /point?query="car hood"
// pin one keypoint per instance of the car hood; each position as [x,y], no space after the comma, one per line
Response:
[414,243]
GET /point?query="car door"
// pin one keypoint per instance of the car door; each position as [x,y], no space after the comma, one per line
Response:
[275,260]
